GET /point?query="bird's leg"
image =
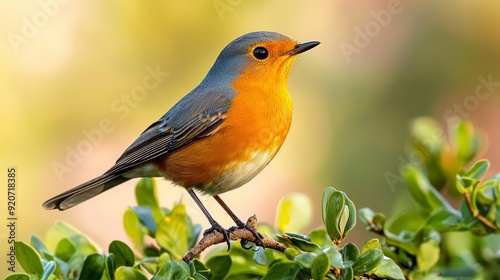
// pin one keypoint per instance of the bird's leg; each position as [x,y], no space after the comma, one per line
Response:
[240,224]
[213,223]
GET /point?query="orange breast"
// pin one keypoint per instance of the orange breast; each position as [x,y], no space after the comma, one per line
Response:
[255,127]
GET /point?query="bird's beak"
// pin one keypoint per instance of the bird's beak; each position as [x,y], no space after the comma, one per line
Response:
[302,47]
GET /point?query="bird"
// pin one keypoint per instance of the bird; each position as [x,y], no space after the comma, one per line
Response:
[217,137]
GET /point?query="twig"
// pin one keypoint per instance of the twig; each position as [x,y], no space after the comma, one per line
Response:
[216,237]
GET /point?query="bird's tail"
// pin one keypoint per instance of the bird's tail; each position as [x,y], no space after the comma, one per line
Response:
[84,191]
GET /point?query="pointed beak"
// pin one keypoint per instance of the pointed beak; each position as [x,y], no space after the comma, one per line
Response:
[302,47]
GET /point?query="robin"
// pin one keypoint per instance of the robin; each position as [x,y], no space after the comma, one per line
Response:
[220,135]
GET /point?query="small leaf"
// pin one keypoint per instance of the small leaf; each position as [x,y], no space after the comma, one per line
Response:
[371,245]
[366,215]
[388,269]
[62,230]
[172,232]
[367,262]
[294,213]
[478,169]
[347,274]
[301,243]
[334,257]
[65,249]
[132,226]
[129,273]
[145,194]
[333,206]
[350,253]
[219,266]
[427,255]
[173,270]
[282,270]
[18,276]
[123,255]
[422,190]
[145,215]
[93,267]
[48,270]
[321,238]
[466,141]
[29,259]
[320,266]
[110,265]
[305,259]
[37,243]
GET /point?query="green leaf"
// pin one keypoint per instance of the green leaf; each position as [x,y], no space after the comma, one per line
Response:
[366,215]
[219,266]
[282,270]
[335,257]
[123,255]
[145,194]
[129,273]
[302,243]
[65,249]
[172,232]
[110,265]
[367,261]
[173,270]
[351,217]
[294,213]
[428,255]
[37,243]
[133,229]
[62,230]
[305,259]
[320,237]
[320,266]
[466,141]
[200,268]
[29,259]
[145,215]
[478,169]
[48,270]
[443,220]
[347,274]
[422,190]
[350,253]
[333,206]
[371,245]
[18,276]
[93,267]
[388,269]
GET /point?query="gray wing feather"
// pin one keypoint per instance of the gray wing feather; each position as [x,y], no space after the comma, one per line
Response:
[187,121]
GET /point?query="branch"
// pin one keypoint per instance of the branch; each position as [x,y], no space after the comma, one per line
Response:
[216,237]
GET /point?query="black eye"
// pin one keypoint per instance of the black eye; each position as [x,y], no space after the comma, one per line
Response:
[260,53]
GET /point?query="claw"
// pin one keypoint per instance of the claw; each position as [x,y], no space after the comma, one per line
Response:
[256,234]
[219,228]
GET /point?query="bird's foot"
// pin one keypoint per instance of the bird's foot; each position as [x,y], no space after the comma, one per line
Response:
[249,226]
[219,228]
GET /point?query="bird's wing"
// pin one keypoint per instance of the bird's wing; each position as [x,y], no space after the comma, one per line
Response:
[192,118]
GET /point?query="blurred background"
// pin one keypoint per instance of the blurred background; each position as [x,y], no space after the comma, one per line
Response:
[73,98]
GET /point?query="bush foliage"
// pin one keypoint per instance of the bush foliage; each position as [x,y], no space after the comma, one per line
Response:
[429,239]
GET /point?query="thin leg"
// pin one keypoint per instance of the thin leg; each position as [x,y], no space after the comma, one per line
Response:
[231,214]
[239,223]
[213,223]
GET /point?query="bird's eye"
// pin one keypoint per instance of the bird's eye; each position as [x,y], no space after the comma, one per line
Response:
[260,53]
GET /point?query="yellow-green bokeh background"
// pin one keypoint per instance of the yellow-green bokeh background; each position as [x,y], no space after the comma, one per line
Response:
[351,118]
